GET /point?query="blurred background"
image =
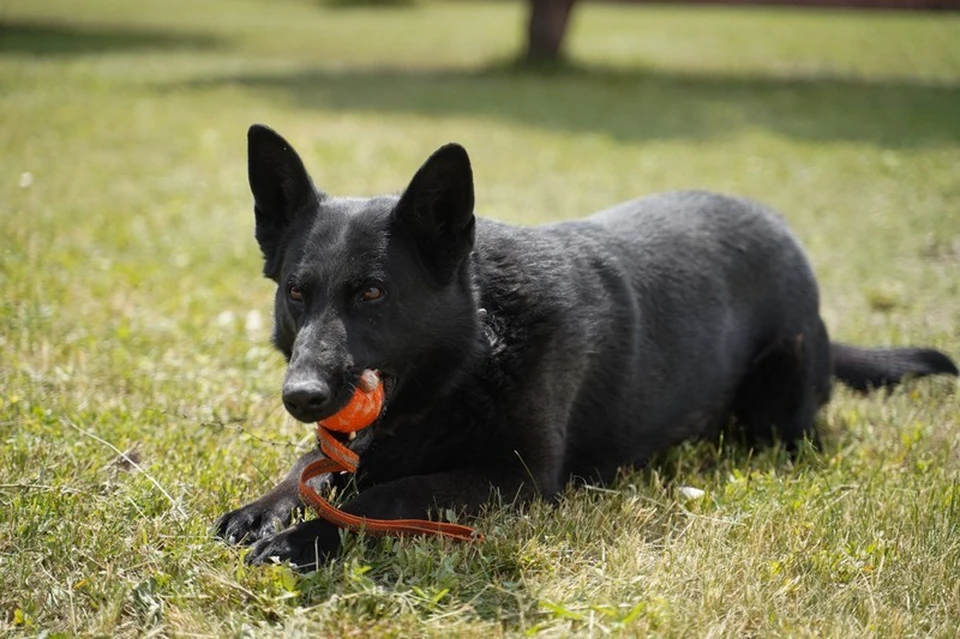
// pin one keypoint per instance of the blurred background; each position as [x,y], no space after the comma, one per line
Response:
[124,123]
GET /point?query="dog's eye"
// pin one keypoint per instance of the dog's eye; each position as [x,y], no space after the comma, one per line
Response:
[294,292]
[371,293]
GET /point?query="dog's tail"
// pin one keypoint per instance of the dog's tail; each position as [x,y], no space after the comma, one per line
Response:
[864,369]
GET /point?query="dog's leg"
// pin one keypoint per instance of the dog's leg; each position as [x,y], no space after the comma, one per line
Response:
[270,513]
[780,396]
[311,542]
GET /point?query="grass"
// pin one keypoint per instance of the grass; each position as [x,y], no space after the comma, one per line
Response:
[133,313]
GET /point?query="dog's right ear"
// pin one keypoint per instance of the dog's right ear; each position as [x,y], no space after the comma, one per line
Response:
[436,209]
[281,191]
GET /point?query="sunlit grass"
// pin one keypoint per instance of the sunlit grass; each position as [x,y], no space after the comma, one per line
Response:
[132,308]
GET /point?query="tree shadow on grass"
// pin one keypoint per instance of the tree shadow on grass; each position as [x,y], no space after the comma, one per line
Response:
[50,38]
[634,104]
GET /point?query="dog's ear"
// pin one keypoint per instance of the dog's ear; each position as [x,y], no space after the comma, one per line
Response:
[437,211]
[281,191]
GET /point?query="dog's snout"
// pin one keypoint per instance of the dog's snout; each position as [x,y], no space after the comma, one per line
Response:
[307,400]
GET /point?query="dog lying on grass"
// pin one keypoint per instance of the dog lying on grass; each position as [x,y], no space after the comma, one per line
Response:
[516,359]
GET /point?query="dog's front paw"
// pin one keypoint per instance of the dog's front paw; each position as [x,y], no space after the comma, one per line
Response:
[306,545]
[257,520]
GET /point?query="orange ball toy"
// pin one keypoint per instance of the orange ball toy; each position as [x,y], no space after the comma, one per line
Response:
[362,409]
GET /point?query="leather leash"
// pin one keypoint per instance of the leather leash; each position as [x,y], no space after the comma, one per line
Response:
[342,459]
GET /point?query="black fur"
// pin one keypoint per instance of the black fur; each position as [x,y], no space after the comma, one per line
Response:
[865,369]
[516,359]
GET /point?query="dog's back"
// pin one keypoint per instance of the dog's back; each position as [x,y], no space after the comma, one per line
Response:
[648,315]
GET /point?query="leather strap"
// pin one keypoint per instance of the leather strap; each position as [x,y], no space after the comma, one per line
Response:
[339,459]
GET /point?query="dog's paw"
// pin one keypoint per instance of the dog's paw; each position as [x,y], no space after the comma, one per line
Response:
[306,545]
[257,520]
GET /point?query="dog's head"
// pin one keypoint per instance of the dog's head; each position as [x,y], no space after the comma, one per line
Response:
[380,283]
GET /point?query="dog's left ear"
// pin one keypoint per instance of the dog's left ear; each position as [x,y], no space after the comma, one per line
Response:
[437,211]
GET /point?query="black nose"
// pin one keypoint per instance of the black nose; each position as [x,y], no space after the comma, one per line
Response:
[307,400]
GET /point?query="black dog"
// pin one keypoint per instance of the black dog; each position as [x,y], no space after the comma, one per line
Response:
[515,359]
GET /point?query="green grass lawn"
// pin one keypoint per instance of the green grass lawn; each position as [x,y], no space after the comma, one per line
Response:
[133,315]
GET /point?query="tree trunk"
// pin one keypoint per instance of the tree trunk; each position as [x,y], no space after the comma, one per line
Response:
[548,24]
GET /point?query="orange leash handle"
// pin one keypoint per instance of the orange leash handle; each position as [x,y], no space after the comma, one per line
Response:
[341,458]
